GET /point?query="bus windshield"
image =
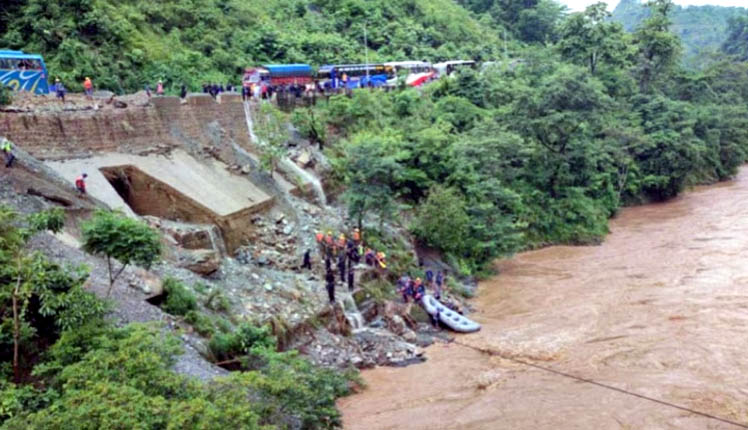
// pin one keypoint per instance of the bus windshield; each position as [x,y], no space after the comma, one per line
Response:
[23,72]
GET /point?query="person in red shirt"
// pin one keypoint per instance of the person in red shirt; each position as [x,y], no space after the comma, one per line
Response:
[80,183]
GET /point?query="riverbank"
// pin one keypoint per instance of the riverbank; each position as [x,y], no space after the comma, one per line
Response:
[657,310]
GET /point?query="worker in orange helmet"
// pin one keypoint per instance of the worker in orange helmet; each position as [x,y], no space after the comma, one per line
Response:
[380,260]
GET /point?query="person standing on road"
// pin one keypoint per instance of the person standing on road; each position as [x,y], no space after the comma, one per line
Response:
[160,88]
[183,92]
[88,88]
[60,89]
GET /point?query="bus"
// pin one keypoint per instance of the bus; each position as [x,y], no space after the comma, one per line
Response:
[23,72]
[356,75]
[448,67]
[418,72]
[278,74]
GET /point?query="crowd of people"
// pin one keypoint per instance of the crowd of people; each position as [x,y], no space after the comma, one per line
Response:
[342,254]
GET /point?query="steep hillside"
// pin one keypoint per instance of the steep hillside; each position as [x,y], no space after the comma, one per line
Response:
[124,44]
[701,28]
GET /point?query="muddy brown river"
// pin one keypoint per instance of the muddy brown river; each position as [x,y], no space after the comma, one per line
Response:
[659,310]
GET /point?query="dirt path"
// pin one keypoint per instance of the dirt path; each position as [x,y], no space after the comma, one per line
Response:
[660,310]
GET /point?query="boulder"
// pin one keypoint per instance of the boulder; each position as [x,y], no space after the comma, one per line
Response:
[304,159]
[202,261]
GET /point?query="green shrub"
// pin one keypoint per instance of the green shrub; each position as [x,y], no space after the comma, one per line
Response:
[179,300]
[225,346]
[202,323]
[6,95]
[217,301]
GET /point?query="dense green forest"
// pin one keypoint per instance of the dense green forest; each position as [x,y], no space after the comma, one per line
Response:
[482,164]
[123,44]
[702,29]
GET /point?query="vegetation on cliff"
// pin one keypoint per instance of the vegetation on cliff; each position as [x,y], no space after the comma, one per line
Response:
[124,44]
[66,367]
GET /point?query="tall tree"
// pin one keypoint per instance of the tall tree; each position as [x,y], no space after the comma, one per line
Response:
[590,38]
[658,49]
[370,173]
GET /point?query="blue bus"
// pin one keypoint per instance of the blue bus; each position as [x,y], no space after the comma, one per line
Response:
[23,72]
[356,75]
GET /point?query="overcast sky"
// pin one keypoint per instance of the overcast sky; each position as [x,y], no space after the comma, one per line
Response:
[577,5]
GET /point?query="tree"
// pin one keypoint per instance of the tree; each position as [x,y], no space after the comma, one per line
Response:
[370,173]
[658,49]
[589,38]
[116,236]
[272,132]
[737,39]
[32,288]
[442,221]
[311,126]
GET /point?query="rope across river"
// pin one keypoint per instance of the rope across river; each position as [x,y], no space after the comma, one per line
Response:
[600,384]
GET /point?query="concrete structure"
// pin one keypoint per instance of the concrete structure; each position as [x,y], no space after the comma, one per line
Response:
[176,187]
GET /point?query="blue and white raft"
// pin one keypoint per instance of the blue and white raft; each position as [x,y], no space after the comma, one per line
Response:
[447,316]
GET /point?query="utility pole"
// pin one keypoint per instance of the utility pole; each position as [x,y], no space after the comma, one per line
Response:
[366,54]
[505,56]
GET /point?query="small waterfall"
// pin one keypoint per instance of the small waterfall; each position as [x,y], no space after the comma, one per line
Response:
[216,240]
[289,166]
[352,314]
[286,164]
[250,123]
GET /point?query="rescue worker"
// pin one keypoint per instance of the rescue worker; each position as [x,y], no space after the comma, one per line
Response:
[330,284]
[88,88]
[380,258]
[7,147]
[438,285]
[307,263]
[60,90]
[320,238]
[330,244]
[418,290]
[429,278]
[369,257]
[356,236]
[341,266]
[80,183]
[403,287]
[341,242]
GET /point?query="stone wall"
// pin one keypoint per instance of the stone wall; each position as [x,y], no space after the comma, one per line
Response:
[166,122]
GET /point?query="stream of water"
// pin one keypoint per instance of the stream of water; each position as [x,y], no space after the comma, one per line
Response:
[660,309]
[286,164]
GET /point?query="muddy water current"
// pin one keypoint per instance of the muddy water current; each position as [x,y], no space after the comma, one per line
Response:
[660,309]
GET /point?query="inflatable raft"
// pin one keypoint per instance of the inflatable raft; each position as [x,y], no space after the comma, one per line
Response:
[448,317]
